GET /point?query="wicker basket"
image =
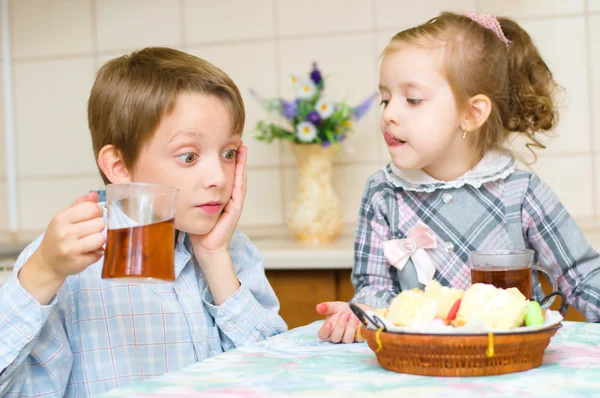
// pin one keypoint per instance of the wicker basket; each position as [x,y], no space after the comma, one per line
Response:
[459,355]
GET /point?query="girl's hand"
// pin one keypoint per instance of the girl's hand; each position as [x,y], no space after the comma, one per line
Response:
[340,325]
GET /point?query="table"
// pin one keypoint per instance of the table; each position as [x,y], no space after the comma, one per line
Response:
[297,364]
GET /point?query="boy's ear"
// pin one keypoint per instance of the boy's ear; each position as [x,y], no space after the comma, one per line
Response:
[477,112]
[112,165]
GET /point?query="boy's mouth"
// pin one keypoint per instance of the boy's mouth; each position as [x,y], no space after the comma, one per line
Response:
[391,141]
[210,207]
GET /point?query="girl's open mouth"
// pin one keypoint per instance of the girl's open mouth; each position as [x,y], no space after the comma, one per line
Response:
[391,140]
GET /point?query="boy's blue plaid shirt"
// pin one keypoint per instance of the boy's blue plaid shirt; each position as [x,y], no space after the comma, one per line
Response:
[97,335]
[500,208]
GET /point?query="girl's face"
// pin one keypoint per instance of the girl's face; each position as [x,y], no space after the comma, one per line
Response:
[421,122]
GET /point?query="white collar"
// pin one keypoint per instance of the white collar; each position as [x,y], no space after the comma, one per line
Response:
[494,165]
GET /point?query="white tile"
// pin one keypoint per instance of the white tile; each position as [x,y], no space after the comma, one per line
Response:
[570,178]
[594,5]
[51,27]
[402,14]
[562,45]
[594,46]
[348,181]
[3,206]
[349,75]
[51,131]
[314,16]
[133,24]
[263,198]
[531,8]
[217,21]
[596,184]
[41,200]
[258,71]
[2,138]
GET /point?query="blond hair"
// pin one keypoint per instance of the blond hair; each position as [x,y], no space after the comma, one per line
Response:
[132,93]
[516,79]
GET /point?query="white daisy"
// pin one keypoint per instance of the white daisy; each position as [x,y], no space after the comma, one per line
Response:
[324,107]
[306,131]
[294,79]
[306,89]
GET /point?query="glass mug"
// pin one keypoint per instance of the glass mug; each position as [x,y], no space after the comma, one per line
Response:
[511,268]
[140,241]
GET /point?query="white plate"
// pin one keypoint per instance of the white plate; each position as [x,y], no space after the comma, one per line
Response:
[551,318]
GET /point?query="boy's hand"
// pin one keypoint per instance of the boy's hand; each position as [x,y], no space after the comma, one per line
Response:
[72,242]
[341,323]
[217,240]
[74,238]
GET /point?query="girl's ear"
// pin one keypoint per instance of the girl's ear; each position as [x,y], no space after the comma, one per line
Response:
[112,165]
[477,112]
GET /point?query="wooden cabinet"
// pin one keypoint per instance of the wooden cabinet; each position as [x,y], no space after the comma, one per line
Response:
[299,292]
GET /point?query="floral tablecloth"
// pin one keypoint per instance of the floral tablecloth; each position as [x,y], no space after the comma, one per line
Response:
[297,364]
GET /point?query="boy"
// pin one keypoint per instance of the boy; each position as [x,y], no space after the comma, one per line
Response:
[160,116]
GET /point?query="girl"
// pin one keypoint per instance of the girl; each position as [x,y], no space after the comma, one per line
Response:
[453,90]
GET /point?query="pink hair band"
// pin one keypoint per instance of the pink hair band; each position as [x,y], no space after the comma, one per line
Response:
[490,22]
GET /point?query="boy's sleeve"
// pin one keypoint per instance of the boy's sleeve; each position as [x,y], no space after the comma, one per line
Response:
[561,247]
[251,314]
[373,283]
[35,358]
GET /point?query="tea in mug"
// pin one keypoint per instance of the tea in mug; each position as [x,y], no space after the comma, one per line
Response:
[145,251]
[504,278]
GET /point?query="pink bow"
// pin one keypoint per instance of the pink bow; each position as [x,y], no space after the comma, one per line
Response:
[398,251]
[490,22]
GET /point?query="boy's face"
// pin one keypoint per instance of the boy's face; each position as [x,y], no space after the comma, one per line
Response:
[194,150]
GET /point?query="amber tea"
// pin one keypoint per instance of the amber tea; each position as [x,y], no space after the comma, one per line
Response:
[504,278]
[140,242]
[145,251]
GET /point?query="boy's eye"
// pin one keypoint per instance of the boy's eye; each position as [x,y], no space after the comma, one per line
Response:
[187,158]
[413,101]
[230,154]
[384,102]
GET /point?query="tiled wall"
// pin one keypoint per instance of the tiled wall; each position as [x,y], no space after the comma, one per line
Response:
[58,44]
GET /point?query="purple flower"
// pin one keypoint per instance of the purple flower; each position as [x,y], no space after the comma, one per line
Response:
[339,137]
[315,74]
[326,144]
[314,118]
[361,109]
[288,109]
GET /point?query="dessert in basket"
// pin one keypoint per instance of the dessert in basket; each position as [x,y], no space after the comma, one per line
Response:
[481,309]
[443,331]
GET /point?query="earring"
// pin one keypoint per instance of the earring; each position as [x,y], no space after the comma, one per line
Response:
[464,134]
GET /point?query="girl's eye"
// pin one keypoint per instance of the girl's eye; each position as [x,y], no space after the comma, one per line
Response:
[413,102]
[384,103]
[230,154]
[187,158]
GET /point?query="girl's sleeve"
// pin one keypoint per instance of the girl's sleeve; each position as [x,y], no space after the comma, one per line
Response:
[373,283]
[561,247]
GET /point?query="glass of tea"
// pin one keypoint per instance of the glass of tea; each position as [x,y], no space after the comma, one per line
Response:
[508,268]
[140,242]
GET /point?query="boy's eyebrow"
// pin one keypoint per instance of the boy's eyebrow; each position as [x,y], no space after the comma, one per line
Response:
[185,133]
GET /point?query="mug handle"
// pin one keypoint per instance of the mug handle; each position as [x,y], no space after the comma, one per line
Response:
[563,302]
[547,301]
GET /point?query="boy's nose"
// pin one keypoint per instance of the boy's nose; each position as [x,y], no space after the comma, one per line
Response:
[214,175]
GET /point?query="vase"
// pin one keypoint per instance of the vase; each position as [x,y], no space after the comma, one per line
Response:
[315,215]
